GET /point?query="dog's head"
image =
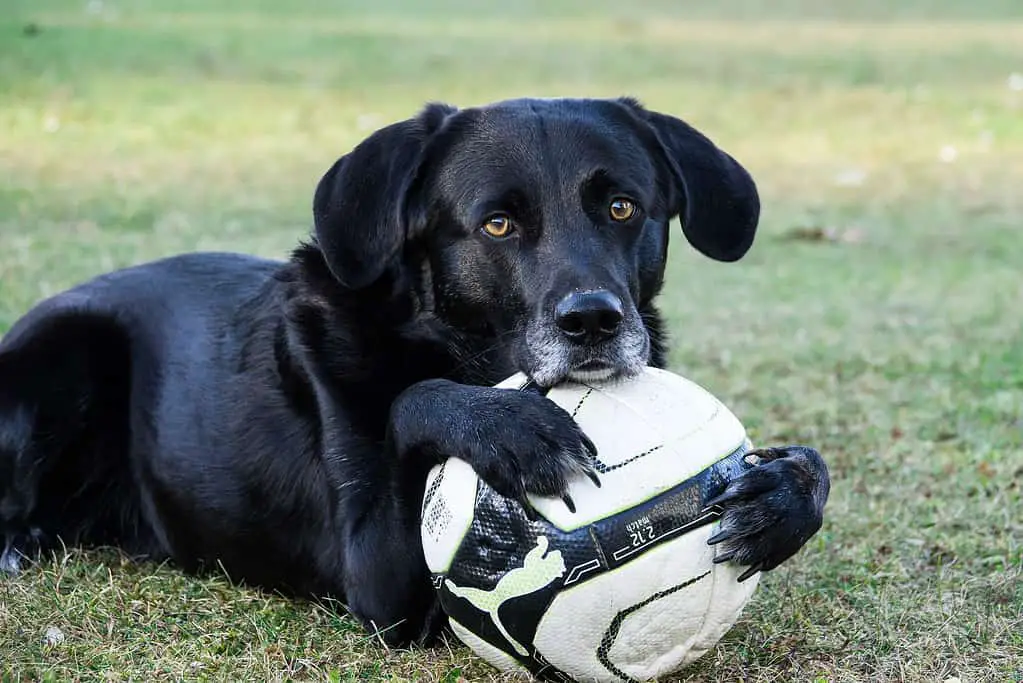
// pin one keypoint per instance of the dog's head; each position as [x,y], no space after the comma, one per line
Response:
[541,224]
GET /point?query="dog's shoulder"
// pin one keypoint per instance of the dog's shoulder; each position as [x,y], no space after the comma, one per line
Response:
[374,340]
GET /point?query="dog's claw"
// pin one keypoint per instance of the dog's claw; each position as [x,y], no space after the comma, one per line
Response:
[727,496]
[724,557]
[569,503]
[592,475]
[527,509]
[720,536]
[750,572]
[766,454]
[589,446]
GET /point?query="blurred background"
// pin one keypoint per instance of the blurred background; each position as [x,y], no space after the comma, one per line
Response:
[877,318]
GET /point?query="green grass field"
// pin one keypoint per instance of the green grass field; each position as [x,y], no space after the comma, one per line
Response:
[879,317]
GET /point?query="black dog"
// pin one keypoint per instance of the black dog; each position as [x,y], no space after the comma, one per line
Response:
[279,418]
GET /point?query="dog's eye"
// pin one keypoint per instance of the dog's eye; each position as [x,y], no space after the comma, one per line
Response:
[622,210]
[498,226]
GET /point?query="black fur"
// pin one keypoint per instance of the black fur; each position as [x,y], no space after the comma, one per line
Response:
[278,418]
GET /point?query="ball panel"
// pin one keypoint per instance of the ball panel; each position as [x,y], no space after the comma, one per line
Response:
[638,643]
[670,405]
[448,510]
[620,433]
[728,601]
[593,652]
[497,658]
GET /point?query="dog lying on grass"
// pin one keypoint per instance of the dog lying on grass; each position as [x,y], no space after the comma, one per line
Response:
[279,418]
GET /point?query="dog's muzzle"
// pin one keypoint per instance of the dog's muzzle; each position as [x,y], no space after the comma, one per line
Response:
[592,336]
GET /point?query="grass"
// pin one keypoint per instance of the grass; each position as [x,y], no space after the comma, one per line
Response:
[878,317]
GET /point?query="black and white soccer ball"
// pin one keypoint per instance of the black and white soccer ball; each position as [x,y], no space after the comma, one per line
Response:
[625,588]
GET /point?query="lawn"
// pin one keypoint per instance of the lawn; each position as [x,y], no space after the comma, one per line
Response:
[879,317]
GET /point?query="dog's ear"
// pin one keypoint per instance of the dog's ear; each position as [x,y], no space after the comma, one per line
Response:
[360,209]
[713,195]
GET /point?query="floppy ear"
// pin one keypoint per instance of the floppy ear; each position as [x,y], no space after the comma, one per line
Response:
[714,196]
[360,206]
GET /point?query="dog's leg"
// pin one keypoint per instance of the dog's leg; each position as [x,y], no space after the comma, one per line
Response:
[518,441]
[772,510]
[386,581]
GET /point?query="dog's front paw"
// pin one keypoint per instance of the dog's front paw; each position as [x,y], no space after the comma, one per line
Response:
[518,442]
[772,510]
[523,443]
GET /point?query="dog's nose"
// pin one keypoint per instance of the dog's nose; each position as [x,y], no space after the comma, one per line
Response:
[589,317]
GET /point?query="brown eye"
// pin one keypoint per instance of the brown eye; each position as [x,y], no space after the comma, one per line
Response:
[498,226]
[622,210]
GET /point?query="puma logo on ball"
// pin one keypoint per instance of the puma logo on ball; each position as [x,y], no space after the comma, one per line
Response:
[538,570]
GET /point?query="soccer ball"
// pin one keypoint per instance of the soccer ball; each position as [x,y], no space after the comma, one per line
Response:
[625,587]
